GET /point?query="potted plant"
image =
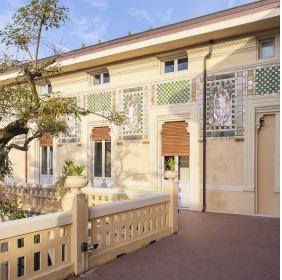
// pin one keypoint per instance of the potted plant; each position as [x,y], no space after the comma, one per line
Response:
[72,177]
[170,172]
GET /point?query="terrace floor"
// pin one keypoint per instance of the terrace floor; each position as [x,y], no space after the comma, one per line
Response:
[208,246]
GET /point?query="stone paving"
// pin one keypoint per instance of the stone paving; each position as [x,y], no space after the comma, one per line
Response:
[208,246]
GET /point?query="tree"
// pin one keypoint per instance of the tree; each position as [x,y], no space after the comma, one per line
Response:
[23,110]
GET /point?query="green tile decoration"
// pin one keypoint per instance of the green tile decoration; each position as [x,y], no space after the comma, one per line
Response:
[267,80]
[173,92]
[99,102]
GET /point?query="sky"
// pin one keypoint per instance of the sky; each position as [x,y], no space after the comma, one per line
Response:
[92,21]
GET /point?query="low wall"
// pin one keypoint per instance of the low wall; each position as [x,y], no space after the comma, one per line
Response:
[41,199]
[49,246]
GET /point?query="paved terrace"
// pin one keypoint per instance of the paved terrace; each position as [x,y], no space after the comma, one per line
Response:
[208,246]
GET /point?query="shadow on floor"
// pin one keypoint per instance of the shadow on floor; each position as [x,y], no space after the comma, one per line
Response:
[208,246]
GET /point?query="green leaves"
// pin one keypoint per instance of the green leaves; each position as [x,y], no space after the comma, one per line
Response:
[30,20]
[5,165]
[70,169]
[12,210]
[170,163]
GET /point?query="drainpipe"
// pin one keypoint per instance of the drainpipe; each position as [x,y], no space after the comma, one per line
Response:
[25,162]
[207,56]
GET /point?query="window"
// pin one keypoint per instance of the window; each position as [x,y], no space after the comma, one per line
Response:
[169,66]
[174,65]
[20,271]
[50,257]
[4,247]
[102,159]
[45,89]
[47,160]
[4,270]
[102,78]
[182,64]
[21,243]
[36,239]
[266,48]
[36,261]
[63,252]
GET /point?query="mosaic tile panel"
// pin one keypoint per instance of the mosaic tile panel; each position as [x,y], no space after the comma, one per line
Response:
[73,134]
[221,104]
[99,102]
[173,92]
[267,80]
[132,103]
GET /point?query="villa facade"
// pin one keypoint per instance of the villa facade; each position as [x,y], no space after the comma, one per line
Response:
[156,79]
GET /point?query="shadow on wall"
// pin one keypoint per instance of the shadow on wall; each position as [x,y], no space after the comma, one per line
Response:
[120,173]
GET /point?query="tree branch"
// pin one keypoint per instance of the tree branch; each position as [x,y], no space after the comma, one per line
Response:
[38,40]
[27,141]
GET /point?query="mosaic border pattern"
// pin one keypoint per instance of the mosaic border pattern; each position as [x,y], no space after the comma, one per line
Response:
[226,102]
[132,104]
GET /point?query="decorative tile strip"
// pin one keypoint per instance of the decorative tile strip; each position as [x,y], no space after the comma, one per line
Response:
[99,102]
[173,92]
[267,80]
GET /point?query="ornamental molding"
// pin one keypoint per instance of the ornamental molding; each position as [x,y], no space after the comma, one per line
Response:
[230,45]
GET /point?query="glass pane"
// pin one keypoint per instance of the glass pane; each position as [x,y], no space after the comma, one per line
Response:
[182,64]
[267,49]
[20,266]
[63,252]
[36,238]
[97,79]
[106,78]
[44,160]
[107,159]
[169,66]
[36,261]
[20,242]
[183,168]
[51,161]
[98,159]
[49,88]
[4,271]
[50,257]
[4,247]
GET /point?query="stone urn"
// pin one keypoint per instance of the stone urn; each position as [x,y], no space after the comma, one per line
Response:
[170,174]
[75,183]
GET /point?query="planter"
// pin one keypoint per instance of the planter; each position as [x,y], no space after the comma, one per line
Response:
[170,174]
[75,183]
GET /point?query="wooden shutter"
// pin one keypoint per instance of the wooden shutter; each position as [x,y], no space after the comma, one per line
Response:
[101,133]
[46,140]
[175,139]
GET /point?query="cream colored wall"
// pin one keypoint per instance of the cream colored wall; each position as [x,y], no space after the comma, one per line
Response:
[136,164]
[18,164]
[225,162]
[131,165]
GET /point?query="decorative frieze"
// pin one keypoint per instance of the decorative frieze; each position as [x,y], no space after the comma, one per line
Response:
[173,92]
